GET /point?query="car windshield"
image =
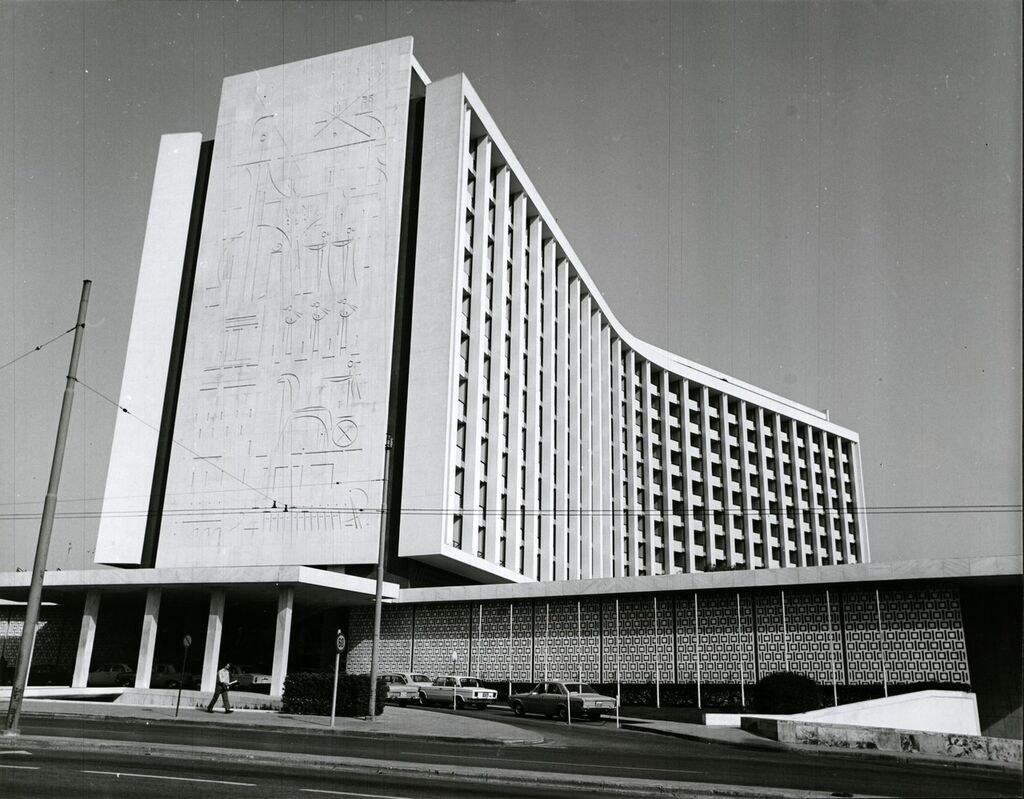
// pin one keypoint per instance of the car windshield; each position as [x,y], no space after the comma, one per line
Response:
[419,678]
[397,679]
[470,682]
[579,688]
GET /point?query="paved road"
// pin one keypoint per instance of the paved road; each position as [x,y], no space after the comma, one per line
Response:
[588,748]
[97,775]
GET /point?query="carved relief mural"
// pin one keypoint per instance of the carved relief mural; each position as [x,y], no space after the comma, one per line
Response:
[284,391]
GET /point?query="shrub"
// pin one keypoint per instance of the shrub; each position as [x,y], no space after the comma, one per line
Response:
[309,694]
[785,692]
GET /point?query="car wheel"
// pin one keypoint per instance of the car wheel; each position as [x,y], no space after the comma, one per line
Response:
[423,699]
[563,713]
[518,709]
[459,703]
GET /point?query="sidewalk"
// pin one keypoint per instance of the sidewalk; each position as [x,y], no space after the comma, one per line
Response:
[414,722]
[409,722]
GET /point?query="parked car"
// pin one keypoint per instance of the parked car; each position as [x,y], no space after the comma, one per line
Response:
[250,678]
[111,674]
[464,691]
[165,675]
[558,698]
[419,680]
[399,690]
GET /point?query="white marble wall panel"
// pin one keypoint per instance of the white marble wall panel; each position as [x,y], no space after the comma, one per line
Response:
[285,385]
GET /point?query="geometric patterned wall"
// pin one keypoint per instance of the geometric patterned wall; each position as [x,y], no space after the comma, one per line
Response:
[726,631]
[632,657]
[813,636]
[917,630]
[396,626]
[707,636]
[56,638]
[863,644]
[568,639]
[440,631]
[499,630]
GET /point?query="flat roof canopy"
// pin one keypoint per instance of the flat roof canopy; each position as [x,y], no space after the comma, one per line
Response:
[312,586]
[742,579]
[319,587]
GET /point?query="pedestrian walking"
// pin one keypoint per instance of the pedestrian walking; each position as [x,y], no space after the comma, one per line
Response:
[224,683]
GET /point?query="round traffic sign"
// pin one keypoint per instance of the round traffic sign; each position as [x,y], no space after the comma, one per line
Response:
[187,641]
[340,642]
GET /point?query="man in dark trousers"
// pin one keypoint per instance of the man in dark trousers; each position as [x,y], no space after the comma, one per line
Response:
[224,683]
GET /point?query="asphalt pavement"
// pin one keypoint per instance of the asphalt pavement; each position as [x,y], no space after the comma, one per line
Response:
[531,746]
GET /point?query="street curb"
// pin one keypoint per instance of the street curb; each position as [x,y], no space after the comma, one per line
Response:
[817,751]
[288,730]
[622,786]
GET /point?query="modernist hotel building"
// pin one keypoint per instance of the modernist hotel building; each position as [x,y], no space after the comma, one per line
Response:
[356,317]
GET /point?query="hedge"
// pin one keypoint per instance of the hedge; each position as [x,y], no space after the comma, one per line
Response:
[309,694]
[785,692]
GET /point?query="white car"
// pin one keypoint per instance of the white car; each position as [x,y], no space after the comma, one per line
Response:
[399,690]
[249,678]
[417,679]
[459,690]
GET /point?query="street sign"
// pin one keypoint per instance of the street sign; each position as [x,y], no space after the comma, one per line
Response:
[187,641]
[339,643]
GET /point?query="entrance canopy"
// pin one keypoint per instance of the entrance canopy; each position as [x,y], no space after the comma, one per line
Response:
[312,586]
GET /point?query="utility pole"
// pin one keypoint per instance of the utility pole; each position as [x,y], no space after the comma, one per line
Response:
[378,601]
[35,591]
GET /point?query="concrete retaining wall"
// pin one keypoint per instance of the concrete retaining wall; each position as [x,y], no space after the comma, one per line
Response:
[843,736]
[951,712]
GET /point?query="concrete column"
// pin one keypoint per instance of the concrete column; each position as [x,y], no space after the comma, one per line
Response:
[633,495]
[214,630]
[147,646]
[282,638]
[618,496]
[649,514]
[472,496]
[548,501]
[86,639]
[690,519]
[667,472]
[518,372]
[572,418]
[496,443]
[587,429]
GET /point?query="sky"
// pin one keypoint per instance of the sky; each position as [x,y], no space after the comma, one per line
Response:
[822,199]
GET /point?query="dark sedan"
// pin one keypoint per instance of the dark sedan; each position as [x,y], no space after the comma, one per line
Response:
[562,698]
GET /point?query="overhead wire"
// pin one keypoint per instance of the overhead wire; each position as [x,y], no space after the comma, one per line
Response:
[205,458]
[38,347]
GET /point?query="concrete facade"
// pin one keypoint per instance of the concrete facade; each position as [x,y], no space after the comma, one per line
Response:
[285,383]
[570,449]
[133,456]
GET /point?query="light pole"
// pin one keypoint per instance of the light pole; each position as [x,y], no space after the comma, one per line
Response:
[379,598]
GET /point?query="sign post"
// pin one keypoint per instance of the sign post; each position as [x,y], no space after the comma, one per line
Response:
[185,642]
[455,659]
[339,646]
